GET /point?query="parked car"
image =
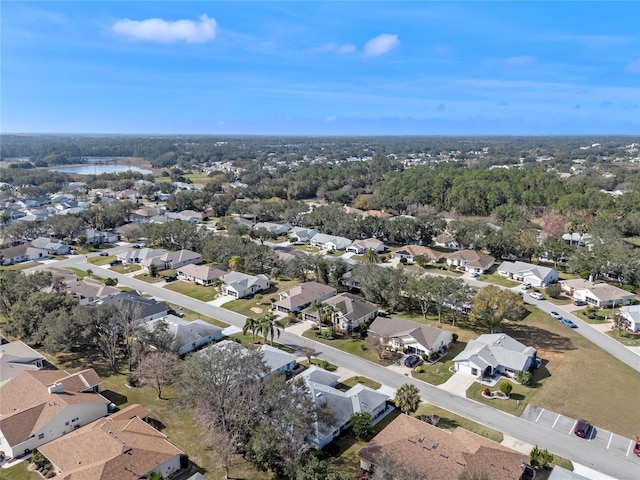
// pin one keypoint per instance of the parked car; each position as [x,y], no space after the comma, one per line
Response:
[556,315]
[170,278]
[536,296]
[137,245]
[569,323]
[526,286]
[104,254]
[115,262]
[412,361]
[636,447]
[579,303]
[582,428]
[475,274]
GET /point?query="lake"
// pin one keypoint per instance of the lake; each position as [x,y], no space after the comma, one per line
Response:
[99,169]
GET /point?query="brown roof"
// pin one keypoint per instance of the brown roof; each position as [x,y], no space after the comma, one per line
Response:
[116,447]
[90,288]
[304,294]
[203,272]
[418,450]
[26,404]
[426,335]
[473,258]
[415,250]
[603,291]
[375,213]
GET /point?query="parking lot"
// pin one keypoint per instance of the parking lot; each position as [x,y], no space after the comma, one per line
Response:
[560,423]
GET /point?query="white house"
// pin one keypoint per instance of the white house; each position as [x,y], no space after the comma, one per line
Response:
[53,246]
[410,252]
[139,255]
[630,315]
[240,285]
[122,446]
[143,309]
[596,294]
[301,235]
[41,405]
[21,253]
[361,246]
[330,242]
[15,358]
[528,273]
[416,337]
[278,361]
[100,236]
[277,228]
[446,241]
[200,274]
[495,353]
[89,290]
[187,335]
[471,261]
[178,259]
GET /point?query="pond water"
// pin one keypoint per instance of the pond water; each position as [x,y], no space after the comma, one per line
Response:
[99,169]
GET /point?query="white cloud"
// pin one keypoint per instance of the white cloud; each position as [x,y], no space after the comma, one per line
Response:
[381,44]
[521,61]
[163,31]
[337,48]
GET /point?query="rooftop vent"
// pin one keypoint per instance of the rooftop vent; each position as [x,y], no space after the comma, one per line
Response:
[435,445]
[55,388]
[421,438]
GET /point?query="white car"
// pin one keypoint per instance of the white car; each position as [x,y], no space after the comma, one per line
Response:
[536,296]
[526,286]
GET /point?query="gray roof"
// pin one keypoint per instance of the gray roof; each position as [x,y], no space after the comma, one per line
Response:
[318,375]
[352,306]
[425,335]
[560,473]
[132,301]
[15,357]
[496,349]
[632,311]
[525,269]
[187,332]
[181,256]
[339,242]
[304,294]
[242,280]
[48,243]
[275,358]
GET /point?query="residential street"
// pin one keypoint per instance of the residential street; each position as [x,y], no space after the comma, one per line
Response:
[568,446]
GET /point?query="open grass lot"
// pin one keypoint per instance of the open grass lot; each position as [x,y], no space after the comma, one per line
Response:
[204,294]
[439,372]
[126,268]
[349,345]
[19,472]
[305,248]
[249,339]
[577,378]
[451,421]
[21,266]
[498,280]
[98,260]
[244,306]
[190,315]
[353,381]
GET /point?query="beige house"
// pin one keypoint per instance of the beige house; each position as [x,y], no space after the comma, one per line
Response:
[471,261]
[361,246]
[352,311]
[200,274]
[301,296]
[596,294]
[416,338]
[410,252]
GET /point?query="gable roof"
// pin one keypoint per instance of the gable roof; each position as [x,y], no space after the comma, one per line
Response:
[90,288]
[242,281]
[525,269]
[133,301]
[186,332]
[472,258]
[275,358]
[203,272]
[428,452]
[16,357]
[339,242]
[425,335]
[33,398]
[602,291]
[368,243]
[351,306]
[304,294]
[415,250]
[180,256]
[115,447]
[496,349]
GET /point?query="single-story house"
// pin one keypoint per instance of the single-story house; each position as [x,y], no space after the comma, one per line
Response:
[433,452]
[415,337]
[240,285]
[343,405]
[93,235]
[301,296]
[194,216]
[277,228]
[361,246]
[15,358]
[122,446]
[495,353]
[446,241]
[139,255]
[575,238]
[88,290]
[21,253]
[53,246]
[528,273]
[352,312]
[329,242]
[278,361]
[630,315]
[596,294]
[143,309]
[471,261]
[288,254]
[410,252]
[187,335]
[301,235]
[175,260]
[200,274]
[39,406]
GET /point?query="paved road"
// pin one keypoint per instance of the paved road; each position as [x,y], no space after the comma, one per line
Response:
[570,447]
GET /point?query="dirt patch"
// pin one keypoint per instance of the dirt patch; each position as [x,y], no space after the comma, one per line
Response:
[256,310]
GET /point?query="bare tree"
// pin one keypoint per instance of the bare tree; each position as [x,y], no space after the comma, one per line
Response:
[223,445]
[377,344]
[130,317]
[156,370]
[308,352]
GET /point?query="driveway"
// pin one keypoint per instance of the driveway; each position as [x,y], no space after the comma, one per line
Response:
[458,384]
[218,302]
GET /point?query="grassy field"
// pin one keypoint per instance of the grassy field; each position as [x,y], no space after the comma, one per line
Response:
[19,472]
[561,300]
[21,266]
[633,241]
[244,306]
[451,421]
[353,381]
[498,280]
[204,294]
[626,338]
[349,345]
[126,268]
[145,277]
[439,372]
[100,261]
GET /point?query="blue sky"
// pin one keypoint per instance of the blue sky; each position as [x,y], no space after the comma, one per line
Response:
[326,68]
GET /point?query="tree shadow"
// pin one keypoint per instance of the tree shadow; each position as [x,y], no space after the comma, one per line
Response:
[538,337]
[114,397]
[157,424]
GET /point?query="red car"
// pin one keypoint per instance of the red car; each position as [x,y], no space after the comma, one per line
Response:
[636,447]
[582,428]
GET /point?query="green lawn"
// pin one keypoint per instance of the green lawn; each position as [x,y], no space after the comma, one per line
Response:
[498,280]
[249,339]
[305,248]
[561,300]
[145,277]
[440,371]
[353,381]
[98,260]
[633,240]
[451,421]
[349,345]
[19,472]
[259,305]
[519,397]
[626,338]
[329,367]
[21,266]
[204,294]
[126,268]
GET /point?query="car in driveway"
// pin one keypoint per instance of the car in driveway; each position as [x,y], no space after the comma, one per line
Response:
[115,262]
[556,315]
[412,361]
[636,447]
[582,428]
[475,274]
[579,303]
[568,323]
[536,296]
[104,254]
[526,286]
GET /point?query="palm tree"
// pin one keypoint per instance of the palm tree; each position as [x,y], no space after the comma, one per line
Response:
[407,398]
[370,256]
[251,325]
[317,306]
[234,262]
[269,326]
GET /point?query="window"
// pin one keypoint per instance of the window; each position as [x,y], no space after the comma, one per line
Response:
[41,436]
[74,419]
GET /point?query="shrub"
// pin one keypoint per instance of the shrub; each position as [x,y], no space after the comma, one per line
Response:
[553,290]
[425,356]
[487,392]
[323,364]
[523,377]
[540,458]
[506,387]
[419,370]
[454,337]
[363,346]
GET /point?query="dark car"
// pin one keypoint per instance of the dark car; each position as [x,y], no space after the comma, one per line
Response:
[579,303]
[582,428]
[104,254]
[170,278]
[412,361]
[636,447]
[569,323]
[116,262]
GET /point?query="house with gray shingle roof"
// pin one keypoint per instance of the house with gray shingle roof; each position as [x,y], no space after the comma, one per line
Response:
[630,316]
[53,246]
[16,357]
[352,312]
[330,242]
[301,296]
[417,338]
[495,353]
[187,335]
[301,235]
[240,285]
[536,275]
[200,274]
